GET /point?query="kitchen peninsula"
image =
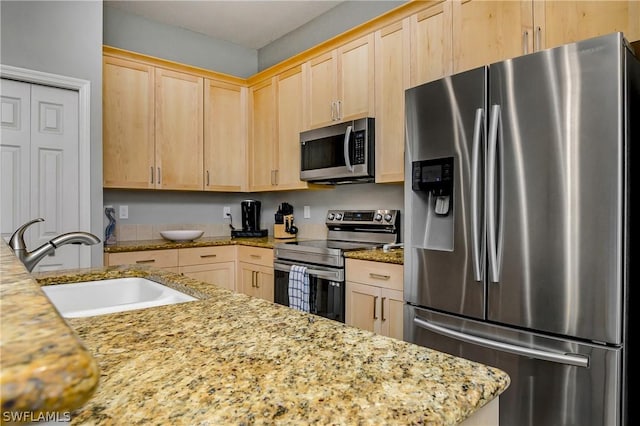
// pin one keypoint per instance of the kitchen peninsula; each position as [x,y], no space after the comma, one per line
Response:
[232,359]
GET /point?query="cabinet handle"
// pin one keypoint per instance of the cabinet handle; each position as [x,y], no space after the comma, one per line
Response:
[538,37]
[151,174]
[375,303]
[207,177]
[253,278]
[525,42]
[382,308]
[339,110]
[146,261]
[257,280]
[159,176]
[379,276]
[333,110]
[277,176]
[255,256]
[204,256]
[272,177]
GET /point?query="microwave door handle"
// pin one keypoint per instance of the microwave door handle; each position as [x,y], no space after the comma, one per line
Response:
[347,160]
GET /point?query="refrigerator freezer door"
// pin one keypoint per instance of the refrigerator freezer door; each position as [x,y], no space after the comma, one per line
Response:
[444,259]
[553,381]
[558,191]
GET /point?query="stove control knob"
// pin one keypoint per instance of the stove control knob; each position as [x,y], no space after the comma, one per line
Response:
[331,216]
[338,216]
[378,217]
[387,217]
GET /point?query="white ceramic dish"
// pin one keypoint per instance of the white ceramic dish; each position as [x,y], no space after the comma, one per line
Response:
[182,235]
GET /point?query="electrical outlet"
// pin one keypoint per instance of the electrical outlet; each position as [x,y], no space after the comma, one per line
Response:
[226,212]
[124,212]
[307,212]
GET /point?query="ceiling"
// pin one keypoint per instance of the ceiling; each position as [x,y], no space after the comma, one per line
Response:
[252,24]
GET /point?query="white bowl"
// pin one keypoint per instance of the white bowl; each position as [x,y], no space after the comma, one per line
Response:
[182,234]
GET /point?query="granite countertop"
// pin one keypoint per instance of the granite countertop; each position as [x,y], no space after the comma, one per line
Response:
[44,366]
[378,255]
[225,358]
[141,245]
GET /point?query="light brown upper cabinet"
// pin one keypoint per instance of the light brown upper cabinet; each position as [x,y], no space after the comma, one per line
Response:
[487,31]
[152,123]
[559,22]
[262,136]
[431,56]
[128,97]
[225,136]
[274,148]
[341,83]
[179,130]
[392,68]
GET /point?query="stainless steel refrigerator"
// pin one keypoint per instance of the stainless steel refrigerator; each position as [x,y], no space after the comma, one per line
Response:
[517,208]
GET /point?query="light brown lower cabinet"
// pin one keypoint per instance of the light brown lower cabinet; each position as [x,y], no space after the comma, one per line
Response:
[163,259]
[215,265]
[255,272]
[374,297]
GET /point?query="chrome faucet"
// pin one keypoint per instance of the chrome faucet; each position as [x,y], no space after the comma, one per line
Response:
[31,258]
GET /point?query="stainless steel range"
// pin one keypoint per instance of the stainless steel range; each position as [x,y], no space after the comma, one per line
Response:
[324,259]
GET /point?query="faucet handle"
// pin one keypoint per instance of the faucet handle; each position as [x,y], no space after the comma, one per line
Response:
[16,242]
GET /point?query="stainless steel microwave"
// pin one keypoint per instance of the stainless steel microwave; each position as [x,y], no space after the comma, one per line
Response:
[340,153]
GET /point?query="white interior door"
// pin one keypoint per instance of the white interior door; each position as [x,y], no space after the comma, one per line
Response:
[40,146]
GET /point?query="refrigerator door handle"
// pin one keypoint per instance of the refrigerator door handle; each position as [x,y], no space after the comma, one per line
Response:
[576,360]
[494,236]
[477,247]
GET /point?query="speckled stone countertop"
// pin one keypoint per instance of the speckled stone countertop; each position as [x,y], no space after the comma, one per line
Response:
[139,245]
[233,359]
[378,255]
[44,366]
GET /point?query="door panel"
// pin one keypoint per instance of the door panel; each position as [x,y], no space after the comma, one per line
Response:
[541,392]
[439,129]
[562,152]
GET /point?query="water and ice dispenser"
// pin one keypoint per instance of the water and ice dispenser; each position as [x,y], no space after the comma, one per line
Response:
[432,184]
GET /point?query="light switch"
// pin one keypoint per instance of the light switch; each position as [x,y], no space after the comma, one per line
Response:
[124,212]
[307,212]
[226,212]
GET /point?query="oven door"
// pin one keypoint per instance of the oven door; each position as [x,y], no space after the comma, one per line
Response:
[326,284]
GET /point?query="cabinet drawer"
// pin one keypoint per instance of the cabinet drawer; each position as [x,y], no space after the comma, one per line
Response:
[156,258]
[380,274]
[205,255]
[256,255]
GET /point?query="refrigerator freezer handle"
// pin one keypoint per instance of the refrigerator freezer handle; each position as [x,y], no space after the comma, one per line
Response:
[568,359]
[477,234]
[347,161]
[492,166]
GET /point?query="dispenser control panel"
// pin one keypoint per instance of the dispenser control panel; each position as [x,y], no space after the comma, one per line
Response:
[434,176]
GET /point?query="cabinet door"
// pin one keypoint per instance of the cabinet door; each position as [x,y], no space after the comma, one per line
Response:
[361,306]
[290,112]
[220,273]
[560,22]
[322,90]
[489,31]
[128,133]
[225,124]
[431,56]
[179,130]
[391,313]
[392,79]
[356,79]
[255,280]
[263,137]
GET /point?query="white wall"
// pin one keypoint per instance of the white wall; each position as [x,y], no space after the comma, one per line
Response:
[65,38]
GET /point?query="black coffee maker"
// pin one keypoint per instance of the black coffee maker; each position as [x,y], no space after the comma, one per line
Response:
[250,220]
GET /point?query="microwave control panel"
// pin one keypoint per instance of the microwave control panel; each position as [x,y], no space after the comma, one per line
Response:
[359,148]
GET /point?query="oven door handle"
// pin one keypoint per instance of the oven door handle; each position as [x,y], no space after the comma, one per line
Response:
[329,275]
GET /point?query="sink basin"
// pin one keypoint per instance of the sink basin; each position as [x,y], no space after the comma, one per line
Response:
[90,298]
